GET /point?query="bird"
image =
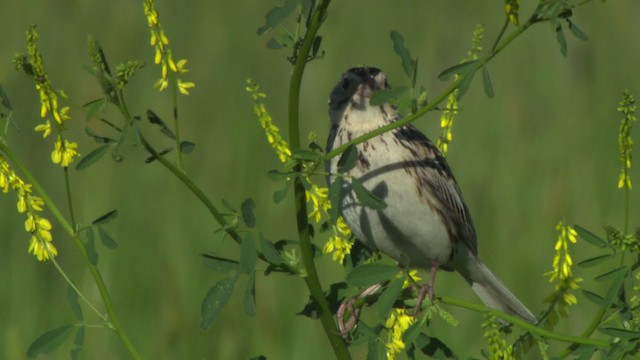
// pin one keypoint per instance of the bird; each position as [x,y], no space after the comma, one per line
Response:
[425,224]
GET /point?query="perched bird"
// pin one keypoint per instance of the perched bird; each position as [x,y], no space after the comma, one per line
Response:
[426,223]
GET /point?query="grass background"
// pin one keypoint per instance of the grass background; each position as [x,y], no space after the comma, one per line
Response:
[543,149]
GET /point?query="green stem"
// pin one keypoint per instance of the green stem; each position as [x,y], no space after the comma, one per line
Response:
[114,323]
[75,288]
[575,340]
[312,279]
[176,125]
[69,202]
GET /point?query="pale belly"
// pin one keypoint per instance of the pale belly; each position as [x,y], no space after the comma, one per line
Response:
[408,229]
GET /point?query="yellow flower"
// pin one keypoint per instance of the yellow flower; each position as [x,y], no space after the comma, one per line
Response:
[64,152]
[45,128]
[562,263]
[319,198]
[397,323]
[184,87]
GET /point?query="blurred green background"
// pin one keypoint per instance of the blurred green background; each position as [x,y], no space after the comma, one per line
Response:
[542,150]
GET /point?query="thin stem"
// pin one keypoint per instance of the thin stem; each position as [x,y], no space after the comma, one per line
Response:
[312,279]
[75,288]
[67,184]
[504,28]
[575,340]
[176,125]
[113,323]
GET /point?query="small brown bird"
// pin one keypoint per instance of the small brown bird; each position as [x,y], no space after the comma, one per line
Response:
[426,223]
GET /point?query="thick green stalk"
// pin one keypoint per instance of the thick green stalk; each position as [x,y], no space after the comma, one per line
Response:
[95,272]
[312,280]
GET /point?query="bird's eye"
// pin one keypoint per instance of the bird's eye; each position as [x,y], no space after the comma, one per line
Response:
[344,84]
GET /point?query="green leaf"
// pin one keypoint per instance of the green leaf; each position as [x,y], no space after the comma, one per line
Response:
[464,84]
[156,120]
[462,68]
[4,99]
[386,95]
[593,297]
[621,333]
[369,274]
[187,147]
[153,158]
[614,290]
[90,246]
[276,15]
[561,40]
[366,197]
[348,159]
[388,298]
[306,155]
[248,253]
[486,81]
[411,334]
[106,239]
[334,197]
[595,260]
[250,296]
[589,237]
[316,46]
[216,299]
[576,31]
[78,342]
[606,277]
[281,194]
[219,264]
[434,347]
[247,212]
[270,252]
[408,64]
[99,138]
[72,298]
[93,157]
[49,341]
[105,218]
[92,107]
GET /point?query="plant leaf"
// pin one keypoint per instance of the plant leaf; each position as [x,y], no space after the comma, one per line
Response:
[187,147]
[388,298]
[369,274]
[593,297]
[589,237]
[386,95]
[366,197]
[461,68]
[561,40]
[106,239]
[156,120]
[270,252]
[486,81]
[576,31]
[250,296]
[247,212]
[219,264]
[248,253]
[276,15]
[49,341]
[348,159]
[606,277]
[105,218]
[72,299]
[595,260]
[92,157]
[216,299]
[408,64]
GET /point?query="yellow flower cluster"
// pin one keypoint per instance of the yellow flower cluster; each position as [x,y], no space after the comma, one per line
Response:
[628,108]
[29,204]
[562,262]
[163,54]
[446,123]
[339,243]
[498,347]
[451,110]
[397,323]
[512,8]
[64,151]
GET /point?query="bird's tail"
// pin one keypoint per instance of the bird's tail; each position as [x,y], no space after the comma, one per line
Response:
[492,292]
